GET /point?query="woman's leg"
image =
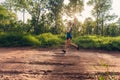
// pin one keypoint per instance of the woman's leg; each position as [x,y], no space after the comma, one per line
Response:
[67,42]
[73,44]
[65,46]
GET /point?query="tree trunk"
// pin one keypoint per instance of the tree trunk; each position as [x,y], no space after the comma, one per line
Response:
[37,21]
[23,16]
[97,25]
[102,25]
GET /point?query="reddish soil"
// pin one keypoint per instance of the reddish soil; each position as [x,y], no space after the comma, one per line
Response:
[52,64]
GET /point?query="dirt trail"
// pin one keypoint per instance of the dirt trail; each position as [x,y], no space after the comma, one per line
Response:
[52,64]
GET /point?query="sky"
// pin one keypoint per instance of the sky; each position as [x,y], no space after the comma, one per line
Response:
[86,12]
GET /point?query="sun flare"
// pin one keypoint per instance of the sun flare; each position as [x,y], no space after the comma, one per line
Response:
[66,2]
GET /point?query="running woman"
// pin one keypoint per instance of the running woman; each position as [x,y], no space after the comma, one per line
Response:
[69,37]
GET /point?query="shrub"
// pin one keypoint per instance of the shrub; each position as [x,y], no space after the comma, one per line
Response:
[17,40]
[48,39]
[98,42]
[30,40]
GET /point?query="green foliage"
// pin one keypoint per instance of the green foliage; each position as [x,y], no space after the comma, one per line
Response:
[101,13]
[6,16]
[89,26]
[112,30]
[31,40]
[17,40]
[6,19]
[101,78]
[62,36]
[98,42]
[73,7]
[48,39]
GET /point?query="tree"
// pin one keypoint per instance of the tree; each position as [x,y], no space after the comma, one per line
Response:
[58,8]
[74,6]
[55,8]
[118,25]
[50,8]
[38,8]
[101,13]
[20,5]
[6,18]
[112,30]
[34,7]
[76,28]
[8,4]
[89,26]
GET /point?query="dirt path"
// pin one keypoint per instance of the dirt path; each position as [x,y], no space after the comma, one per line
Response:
[51,64]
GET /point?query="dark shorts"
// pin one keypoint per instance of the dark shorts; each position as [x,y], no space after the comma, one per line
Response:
[69,36]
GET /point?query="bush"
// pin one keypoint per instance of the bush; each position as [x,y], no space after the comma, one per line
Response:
[30,40]
[98,42]
[62,36]
[48,40]
[17,40]
[89,42]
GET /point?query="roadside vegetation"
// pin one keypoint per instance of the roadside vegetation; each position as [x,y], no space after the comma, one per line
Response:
[52,40]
